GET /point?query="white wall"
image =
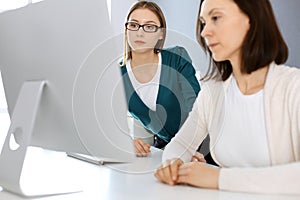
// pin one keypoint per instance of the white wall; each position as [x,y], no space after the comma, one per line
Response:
[181,15]
[119,9]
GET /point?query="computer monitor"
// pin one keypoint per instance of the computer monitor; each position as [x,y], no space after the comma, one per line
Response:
[62,82]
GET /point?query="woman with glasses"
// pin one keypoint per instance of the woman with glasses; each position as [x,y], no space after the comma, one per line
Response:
[249,104]
[160,84]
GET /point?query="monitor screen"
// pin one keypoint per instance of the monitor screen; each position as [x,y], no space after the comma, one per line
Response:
[67,46]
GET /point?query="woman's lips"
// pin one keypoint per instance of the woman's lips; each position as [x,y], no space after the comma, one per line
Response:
[213,45]
[139,42]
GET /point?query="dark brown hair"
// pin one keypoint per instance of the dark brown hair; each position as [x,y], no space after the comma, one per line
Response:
[163,25]
[262,45]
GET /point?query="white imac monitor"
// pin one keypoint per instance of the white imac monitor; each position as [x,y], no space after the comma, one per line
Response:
[62,81]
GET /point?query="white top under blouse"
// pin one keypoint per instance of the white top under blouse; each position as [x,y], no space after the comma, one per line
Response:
[243,138]
[146,91]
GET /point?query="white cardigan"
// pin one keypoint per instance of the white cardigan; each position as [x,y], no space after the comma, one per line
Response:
[282,117]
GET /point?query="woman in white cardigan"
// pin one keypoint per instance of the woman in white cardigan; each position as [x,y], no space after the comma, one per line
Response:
[249,104]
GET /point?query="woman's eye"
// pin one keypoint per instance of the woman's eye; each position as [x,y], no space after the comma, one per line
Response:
[215,18]
[150,27]
[133,25]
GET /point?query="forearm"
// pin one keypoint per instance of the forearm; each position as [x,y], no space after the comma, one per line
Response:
[283,179]
[189,137]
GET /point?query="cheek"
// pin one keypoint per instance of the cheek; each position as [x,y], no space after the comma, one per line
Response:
[130,36]
[240,34]
[152,39]
[130,39]
[233,40]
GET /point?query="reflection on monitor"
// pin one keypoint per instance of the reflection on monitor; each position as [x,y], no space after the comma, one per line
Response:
[62,82]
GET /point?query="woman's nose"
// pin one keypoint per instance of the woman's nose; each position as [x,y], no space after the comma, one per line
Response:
[205,31]
[140,31]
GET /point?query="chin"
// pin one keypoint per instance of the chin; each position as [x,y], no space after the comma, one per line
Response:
[218,58]
[142,50]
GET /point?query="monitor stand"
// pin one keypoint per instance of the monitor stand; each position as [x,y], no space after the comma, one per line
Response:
[12,160]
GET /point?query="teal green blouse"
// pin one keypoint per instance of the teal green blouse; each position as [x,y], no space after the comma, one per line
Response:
[177,93]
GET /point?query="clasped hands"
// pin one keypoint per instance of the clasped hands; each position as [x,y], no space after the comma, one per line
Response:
[196,173]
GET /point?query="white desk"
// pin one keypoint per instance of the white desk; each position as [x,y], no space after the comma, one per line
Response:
[132,181]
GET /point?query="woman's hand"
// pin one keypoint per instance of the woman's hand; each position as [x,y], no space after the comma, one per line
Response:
[199,174]
[168,172]
[141,148]
[195,173]
[198,157]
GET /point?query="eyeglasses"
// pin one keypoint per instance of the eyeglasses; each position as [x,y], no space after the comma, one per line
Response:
[149,28]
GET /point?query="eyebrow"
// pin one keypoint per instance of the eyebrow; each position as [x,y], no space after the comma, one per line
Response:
[147,22]
[210,12]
